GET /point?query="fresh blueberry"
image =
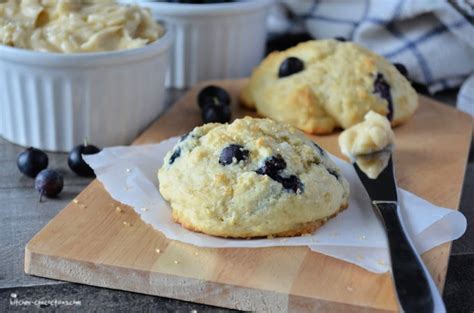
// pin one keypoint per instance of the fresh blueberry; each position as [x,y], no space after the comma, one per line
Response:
[76,162]
[32,161]
[290,66]
[340,38]
[219,113]
[292,183]
[382,88]
[402,69]
[232,152]
[333,173]
[176,154]
[213,95]
[49,183]
[272,166]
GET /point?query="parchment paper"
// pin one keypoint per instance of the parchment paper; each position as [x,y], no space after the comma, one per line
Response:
[129,174]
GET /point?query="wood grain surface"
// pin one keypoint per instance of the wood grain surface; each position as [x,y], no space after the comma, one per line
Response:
[88,241]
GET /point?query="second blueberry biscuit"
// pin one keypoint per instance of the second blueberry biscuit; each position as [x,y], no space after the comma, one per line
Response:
[319,86]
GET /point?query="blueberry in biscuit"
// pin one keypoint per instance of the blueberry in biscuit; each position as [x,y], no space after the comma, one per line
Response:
[382,88]
[233,153]
[290,66]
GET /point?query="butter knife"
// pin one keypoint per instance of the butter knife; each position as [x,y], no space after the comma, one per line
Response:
[415,288]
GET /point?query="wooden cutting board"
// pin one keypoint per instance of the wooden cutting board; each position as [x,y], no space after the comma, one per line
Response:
[90,242]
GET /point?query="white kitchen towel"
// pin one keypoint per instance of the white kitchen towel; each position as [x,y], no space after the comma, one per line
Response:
[129,174]
[434,39]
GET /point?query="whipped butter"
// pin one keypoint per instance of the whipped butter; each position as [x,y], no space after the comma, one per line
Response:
[75,26]
[369,143]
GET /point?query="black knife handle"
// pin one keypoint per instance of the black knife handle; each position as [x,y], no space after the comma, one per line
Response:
[410,279]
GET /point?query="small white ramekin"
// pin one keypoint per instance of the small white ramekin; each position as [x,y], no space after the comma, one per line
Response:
[53,101]
[212,41]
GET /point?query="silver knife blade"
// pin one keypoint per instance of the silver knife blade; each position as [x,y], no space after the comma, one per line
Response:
[415,288]
[383,188]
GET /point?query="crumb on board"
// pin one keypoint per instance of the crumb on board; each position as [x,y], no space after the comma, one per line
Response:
[119,209]
[158,251]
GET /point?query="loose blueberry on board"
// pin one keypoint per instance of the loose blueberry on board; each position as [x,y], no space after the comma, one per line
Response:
[32,161]
[49,183]
[176,154]
[219,113]
[290,66]
[232,152]
[76,162]
[382,88]
[402,69]
[213,95]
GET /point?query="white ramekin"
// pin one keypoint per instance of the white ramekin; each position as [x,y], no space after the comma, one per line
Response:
[212,41]
[53,101]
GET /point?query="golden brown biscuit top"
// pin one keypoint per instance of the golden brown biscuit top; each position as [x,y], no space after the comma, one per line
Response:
[253,177]
[338,84]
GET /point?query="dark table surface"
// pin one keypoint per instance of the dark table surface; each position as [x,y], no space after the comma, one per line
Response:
[22,216]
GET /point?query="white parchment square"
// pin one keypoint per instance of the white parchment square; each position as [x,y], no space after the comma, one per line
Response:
[129,174]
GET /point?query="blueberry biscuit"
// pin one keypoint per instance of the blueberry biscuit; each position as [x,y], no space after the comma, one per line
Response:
[318,86]
[251,178]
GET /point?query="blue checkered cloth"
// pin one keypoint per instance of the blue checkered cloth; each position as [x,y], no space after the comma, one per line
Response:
[434,39]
